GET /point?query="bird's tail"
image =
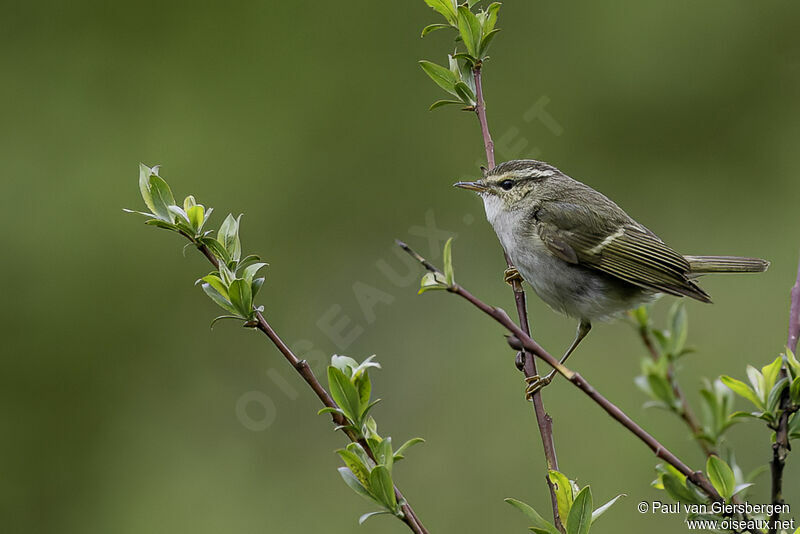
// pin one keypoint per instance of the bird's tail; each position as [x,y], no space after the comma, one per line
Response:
[726,264]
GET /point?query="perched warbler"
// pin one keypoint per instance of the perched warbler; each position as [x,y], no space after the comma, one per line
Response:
[582,254]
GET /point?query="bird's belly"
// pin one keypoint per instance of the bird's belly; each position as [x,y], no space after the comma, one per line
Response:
[571,289]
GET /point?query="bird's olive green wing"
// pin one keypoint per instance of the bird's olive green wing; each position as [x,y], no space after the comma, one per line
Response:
[615,244]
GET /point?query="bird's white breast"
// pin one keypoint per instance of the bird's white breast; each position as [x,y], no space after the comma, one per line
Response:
[571,289]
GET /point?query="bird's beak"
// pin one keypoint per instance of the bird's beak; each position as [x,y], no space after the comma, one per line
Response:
[472,186]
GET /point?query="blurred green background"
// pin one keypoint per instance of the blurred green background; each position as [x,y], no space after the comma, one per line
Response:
[119,405]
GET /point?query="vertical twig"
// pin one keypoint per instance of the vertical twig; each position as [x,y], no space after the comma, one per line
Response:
[543,419]
[480,110]
[781,447]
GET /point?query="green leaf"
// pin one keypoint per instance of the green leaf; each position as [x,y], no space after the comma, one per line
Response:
[661,389]
[465,93]
[241,296]
[398,454]
[721,476]
[196,216]
[442,76]
[441,103]
[217,249]
[538,521]
[448,258]
[432,281]
[382,488]
[677,490]
[770,373]
[215,282]
[351,480]
[793,364]
[432,28]
[356,466]
[603,509]
[491,17]
[486,42]
[251,270]
[364,366]
[444,8]
[563,490]
[228,235]
[221,301]
[178,211]
[344,393]
[775,394]
[642,317]
[795,390]
[255,287]
[679,328]
[372,514]
[743,390]
[345,364]
[757,382]
[144,185]
[470,30]
[162,198]
[364,387]
[383,453]
[162,224]
[580,514]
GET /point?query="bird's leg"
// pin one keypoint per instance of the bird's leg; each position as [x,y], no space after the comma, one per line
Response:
[535,383]
[512,275]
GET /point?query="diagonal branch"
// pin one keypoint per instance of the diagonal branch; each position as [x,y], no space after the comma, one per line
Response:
[526,362]
[304,370]
[520,340]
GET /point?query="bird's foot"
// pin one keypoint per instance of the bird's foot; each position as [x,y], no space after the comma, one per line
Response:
[512,275]
[536,382]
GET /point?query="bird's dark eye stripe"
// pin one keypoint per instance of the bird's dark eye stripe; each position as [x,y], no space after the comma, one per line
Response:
[506,185]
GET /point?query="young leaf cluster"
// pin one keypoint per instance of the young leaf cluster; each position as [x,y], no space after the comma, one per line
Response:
[575,507]
[434,281]
[765,389]
[474,31]
[670,344]
[367,471]
[717,409]
[187,220]
[235,284]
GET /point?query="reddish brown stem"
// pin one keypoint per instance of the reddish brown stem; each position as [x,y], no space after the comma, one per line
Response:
[521,341]
[480,110]
[543,419]
[301,366]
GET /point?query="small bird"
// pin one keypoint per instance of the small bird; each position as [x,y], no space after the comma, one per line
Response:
[582,254]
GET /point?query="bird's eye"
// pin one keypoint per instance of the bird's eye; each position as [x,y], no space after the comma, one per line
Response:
[506,185]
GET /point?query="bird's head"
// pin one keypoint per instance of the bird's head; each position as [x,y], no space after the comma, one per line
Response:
[513,185]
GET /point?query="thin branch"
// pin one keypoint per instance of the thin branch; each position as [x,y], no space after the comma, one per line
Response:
[301,366]
[781,447]
[528,362]
[521,340]
[480,110]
